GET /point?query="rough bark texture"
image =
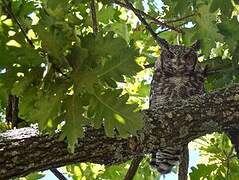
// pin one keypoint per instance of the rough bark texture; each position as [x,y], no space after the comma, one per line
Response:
[173,124]
[23,151]
[178,123]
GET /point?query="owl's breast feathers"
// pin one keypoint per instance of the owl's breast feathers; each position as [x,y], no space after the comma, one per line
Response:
[165,87]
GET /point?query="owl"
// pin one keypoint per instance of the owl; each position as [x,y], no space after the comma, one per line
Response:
[177,75]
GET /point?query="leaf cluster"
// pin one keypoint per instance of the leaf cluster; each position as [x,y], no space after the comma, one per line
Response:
[73,78]
[69,79]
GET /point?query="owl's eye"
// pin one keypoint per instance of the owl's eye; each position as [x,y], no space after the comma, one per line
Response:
[189,58]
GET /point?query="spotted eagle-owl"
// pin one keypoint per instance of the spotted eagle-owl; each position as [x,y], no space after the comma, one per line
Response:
[177,75]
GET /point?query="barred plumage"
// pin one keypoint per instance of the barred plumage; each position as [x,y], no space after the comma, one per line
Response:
[164,160]
[177,75]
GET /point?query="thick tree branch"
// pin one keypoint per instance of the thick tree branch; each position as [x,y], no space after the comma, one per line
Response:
[23,150]
[178,123]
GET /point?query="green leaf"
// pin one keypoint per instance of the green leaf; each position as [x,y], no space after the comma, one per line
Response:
[178,7]
[111,57]
[143,90]
[110,107]
[228,28]
[225,6]
[202,171]
[3,96]
[23,56]
[74,121]
[44,105]
[84,80]
[26,81]
[205,30]
[34,176]
[117,172]
[78,58]
[120,28]
[106,14]
[139,4]
[54,36]
[56,8]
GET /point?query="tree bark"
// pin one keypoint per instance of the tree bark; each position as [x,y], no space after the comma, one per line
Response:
[23,151]
[178,123]
[172,124]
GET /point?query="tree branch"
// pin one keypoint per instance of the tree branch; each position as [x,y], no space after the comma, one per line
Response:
[199,115]
[93,17]
[24,150]
[142,13]
[179,25]
[58,174]
[183,165]
[179,19]
[159,40]
[9,11]
[133,168]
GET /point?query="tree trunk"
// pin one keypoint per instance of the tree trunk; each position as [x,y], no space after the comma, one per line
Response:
[173,124]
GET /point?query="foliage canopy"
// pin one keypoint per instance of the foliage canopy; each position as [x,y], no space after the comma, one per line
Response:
[68,76]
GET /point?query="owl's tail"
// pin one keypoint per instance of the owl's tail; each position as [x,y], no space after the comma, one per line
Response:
[165,159]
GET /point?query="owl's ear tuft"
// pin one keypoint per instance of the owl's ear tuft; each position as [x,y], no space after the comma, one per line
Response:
[196,45]
[164,44]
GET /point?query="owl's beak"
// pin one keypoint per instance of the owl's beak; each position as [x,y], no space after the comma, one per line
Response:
[178,62]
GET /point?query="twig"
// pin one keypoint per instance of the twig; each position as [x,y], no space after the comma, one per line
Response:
[179,19]
[93,16]
[183,166]
[159,40]
[228,158]
[228,169]
[18,23]
[142,13]
[133,168]
[59,70]
[180,25]
[58,174]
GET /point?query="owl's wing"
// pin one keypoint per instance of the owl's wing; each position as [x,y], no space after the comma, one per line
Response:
[155,80]
[199,68]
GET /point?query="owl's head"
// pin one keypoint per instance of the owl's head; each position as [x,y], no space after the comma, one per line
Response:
[178,59]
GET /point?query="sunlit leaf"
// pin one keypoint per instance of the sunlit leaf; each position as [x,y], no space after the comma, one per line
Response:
[73,121]
[110,108]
